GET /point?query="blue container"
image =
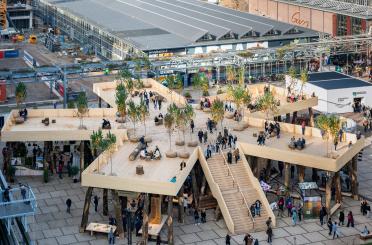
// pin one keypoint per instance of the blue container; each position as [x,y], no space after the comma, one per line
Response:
[11,53]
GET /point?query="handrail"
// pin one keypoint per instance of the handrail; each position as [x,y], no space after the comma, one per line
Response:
[215,186]
[239,189]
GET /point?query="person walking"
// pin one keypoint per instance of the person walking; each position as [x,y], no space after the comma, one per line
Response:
[257,207]
[248,239]
[205,137]
[299,212]
[111,236]
[268,222]
[95,201]
[294,216]
[203,216]
[335,230]
[303,127]
[330,226]
[236,155]
[60,167]
[192,125]
[68,204]
[350,219]
[341,218]
[269,233]
[227,239]
[158,240]
[229,157]
[322,214]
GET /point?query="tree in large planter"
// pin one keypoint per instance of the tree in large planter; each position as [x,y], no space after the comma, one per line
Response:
[230,74]
[133,114]
[109,145]
[241,76]
[143,114]
[330,126]
[292,75]
[121,96]
[268,104]
[218,111]
[240,96]
[82,108]
[200,82]
[169,125]
[20,94]
[189,115]
[96,139]
[304,79]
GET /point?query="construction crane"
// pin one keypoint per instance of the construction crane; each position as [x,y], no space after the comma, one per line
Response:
[3,14]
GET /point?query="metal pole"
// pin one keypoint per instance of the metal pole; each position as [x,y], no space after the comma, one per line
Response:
[64,88]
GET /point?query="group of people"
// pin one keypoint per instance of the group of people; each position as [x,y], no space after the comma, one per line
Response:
[297,144]
[205,103]
[23,113]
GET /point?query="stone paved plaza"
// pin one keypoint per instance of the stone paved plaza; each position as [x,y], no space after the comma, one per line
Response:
[53,225]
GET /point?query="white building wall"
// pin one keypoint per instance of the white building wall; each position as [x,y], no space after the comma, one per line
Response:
[341,100]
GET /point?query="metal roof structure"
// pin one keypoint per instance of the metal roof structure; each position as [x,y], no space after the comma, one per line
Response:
[336,6]
[335,80]
[161,24]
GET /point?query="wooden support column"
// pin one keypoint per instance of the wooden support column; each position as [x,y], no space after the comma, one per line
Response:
[287,168]
[354,177]
[99,102]
[328,191]
[203,186]
[145,225]
[294,117]
[84,218]
[105,202]
[301,173]
[81,158]
[181,215]
[118,216]
[337,183]
[311,117]
[195,189]
[170,221]
[217,213]
[288,117]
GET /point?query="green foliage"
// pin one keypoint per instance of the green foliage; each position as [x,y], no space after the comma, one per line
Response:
[133,112]
[20,93]
[330,126]
[96,139]
[200,82]
[267,103]
[143,113]
[139,83]
[71,104]
[82,103]
[218,111]
[304,79]
[169,122]
[241,75]
[239,95]
[124,74]
[187,94]
[121,96]
[230,74]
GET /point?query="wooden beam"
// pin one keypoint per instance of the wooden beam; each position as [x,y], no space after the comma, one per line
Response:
[195,189]
[354,177]
[328,191]
[84,218]
[181,215]
[337,182]
[81,158]
[287,168]
[105,202]
[145,224]
[118,216]
[170,221]
[311,117]
[301,173]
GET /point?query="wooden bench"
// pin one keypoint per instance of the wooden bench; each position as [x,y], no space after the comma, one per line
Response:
[101,228]
[135,152]
[365,237]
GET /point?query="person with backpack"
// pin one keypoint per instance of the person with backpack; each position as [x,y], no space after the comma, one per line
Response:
[341,217]
[330,226]
[68,204]
[227,239]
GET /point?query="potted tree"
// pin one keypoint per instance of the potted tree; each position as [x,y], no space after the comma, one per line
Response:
[268,104]
[230,74]
[82,108]
[121,96]
[304,80]
[293,75]
[200,82]
[240,96]
[20,95]
[241,76]
[169,125]
[96,138]
[133,114]
[218,111]
[110,146]
[143,114]
[330,126]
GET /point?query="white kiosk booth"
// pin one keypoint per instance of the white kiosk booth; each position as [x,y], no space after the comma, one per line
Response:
[337,92]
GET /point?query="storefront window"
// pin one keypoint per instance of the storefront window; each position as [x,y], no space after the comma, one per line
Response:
[341,25]
[356,26]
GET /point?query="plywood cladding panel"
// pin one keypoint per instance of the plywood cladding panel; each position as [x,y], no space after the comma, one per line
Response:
[272,9]
[328,22]
[317,20]
[262,7]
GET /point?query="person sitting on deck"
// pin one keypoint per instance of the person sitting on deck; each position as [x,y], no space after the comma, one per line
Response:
[292,143]
[23,113]
[156,155]
[106,124]
[365,231]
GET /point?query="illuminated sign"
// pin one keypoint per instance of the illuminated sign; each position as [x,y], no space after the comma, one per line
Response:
[298,21]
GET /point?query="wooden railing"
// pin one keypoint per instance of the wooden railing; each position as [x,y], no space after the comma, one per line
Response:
[216,190]
[229,172]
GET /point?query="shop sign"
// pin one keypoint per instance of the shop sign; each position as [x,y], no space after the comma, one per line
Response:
[342,99]
[358,93]
[298,21]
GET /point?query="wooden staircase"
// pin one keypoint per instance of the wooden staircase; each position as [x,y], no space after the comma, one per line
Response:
[231,195]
